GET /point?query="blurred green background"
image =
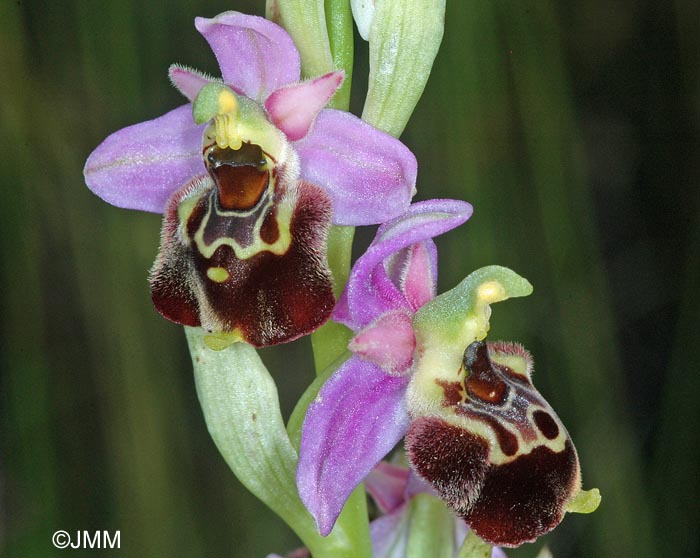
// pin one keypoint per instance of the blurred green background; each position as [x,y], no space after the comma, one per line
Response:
[573,128]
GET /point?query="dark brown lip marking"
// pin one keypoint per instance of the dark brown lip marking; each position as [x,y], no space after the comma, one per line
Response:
[482,381]
[507,441]
[270,231]
[513,375]
[453,392]
[546,424]
[518,503]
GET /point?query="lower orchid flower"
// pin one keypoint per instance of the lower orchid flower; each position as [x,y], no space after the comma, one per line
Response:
[475,426]
[250,176]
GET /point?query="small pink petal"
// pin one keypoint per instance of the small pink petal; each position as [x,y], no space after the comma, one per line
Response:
[418,282]
[188,81]
[398,265]
[294,108]
[388,342]
[255,55]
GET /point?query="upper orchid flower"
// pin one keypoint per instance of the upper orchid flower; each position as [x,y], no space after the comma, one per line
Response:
[476,428]
[250,176]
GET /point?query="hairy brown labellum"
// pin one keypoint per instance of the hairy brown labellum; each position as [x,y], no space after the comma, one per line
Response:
[244,251]
[498,455]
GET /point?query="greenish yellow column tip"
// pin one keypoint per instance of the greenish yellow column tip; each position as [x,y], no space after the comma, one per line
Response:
[461,315]
[218,103]
[220,340]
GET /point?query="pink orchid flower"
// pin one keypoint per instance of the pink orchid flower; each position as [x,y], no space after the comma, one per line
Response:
[249,191]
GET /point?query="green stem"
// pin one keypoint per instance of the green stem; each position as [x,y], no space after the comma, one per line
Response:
[340,37]
[431,532]
[331,340]
[323,32]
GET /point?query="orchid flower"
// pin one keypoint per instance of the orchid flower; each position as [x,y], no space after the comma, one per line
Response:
[475,426]
[250,175]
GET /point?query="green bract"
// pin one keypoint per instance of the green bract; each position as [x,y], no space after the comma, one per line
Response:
[241,408]
[305,21]
[403,41]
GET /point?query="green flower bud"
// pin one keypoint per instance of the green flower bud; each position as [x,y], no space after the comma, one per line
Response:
[404,38]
